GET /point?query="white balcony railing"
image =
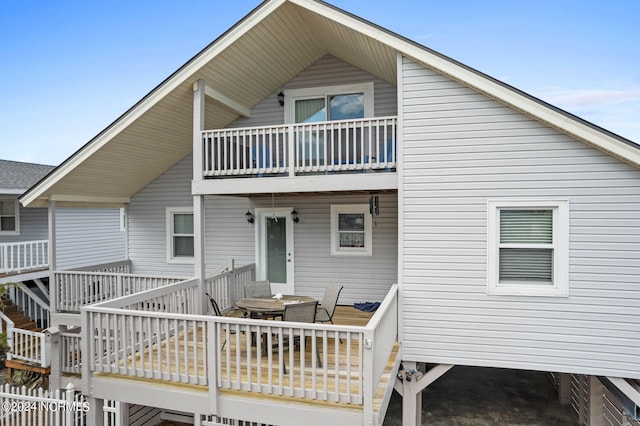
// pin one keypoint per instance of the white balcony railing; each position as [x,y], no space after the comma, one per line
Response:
[355,146]
[23,256]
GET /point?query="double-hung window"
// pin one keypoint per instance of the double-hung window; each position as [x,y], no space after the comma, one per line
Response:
[9,217]
[180,237]
[351,230]
[527,251]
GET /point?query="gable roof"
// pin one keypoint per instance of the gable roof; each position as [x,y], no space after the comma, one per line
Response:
[16,177]
[250,61]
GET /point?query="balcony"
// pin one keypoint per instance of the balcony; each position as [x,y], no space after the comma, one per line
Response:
[320,152]
[23,257]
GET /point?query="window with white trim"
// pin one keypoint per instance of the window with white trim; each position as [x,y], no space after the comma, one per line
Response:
[351,230]
[527,251]
[327,103]
[180,236]
[9,217]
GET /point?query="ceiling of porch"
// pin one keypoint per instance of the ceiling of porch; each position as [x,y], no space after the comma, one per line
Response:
[248,63]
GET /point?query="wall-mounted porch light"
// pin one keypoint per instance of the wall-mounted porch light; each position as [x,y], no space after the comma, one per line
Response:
[281,98]
[249,216]
[294,216]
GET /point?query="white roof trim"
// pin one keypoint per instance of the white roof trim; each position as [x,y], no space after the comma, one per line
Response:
[152,98]
[12,191]
[83,199]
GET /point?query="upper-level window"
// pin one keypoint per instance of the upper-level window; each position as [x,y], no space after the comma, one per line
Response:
[180,236]
[9,217]
[345,102]
[528,247]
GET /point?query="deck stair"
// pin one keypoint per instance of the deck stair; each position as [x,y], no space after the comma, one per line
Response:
[18,317]
[22,321]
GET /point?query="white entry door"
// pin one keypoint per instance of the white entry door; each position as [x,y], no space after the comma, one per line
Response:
[274,248]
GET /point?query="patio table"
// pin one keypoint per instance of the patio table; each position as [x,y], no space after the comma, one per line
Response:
[258,307]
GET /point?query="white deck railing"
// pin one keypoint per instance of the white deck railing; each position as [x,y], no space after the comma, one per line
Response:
[30,304]
[155,335]
[29,346]
[228,286]
[360,145]
[74,289]
[23,256]
[70,353]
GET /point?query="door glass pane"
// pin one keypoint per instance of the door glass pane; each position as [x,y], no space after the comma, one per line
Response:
[346,107]
[310,110]
[276,249]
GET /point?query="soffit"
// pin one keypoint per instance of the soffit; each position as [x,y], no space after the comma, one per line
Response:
[254,66]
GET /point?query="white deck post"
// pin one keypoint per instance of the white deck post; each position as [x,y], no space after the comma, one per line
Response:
[95,415]
[198,201]
[412,391]
[53,294]
[52,345]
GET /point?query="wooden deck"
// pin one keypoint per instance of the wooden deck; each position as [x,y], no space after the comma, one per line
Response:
[266,367]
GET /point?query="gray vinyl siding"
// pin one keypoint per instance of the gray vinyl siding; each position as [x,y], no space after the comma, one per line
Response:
[327,71]
[365,278]
[33,226]
[230,236]
[460,149]
[88,236]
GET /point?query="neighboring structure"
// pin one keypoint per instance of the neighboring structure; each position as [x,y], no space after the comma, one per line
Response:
[85,236]
[23,232]
[310,146]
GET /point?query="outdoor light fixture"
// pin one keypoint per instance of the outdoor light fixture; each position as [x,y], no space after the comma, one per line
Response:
[294,216]
[374,205]
[249,216]
[281,98]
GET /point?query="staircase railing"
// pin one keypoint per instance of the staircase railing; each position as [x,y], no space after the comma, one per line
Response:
[6,326]
[29,346]
[30,304]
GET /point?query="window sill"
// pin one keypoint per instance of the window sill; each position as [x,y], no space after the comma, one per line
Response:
[527,290]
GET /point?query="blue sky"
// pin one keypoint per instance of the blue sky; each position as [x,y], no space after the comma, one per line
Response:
[70,68]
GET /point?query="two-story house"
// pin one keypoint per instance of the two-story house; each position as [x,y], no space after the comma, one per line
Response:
[310,146]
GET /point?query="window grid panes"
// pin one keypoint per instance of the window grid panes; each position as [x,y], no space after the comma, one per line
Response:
[526,246]
[183,235]
[351,230]
[7,216]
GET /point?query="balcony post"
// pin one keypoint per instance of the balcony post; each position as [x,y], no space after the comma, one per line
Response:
[292,151]
[51,253]
[198,127]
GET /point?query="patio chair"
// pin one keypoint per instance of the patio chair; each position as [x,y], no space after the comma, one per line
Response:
[301,312]
[216,312]
[257,288]
[328,306]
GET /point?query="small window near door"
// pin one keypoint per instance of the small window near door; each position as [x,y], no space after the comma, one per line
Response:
[351,230]
[9,217]
[180,237]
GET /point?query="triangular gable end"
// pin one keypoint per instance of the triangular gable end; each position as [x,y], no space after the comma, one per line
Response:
[157,132]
